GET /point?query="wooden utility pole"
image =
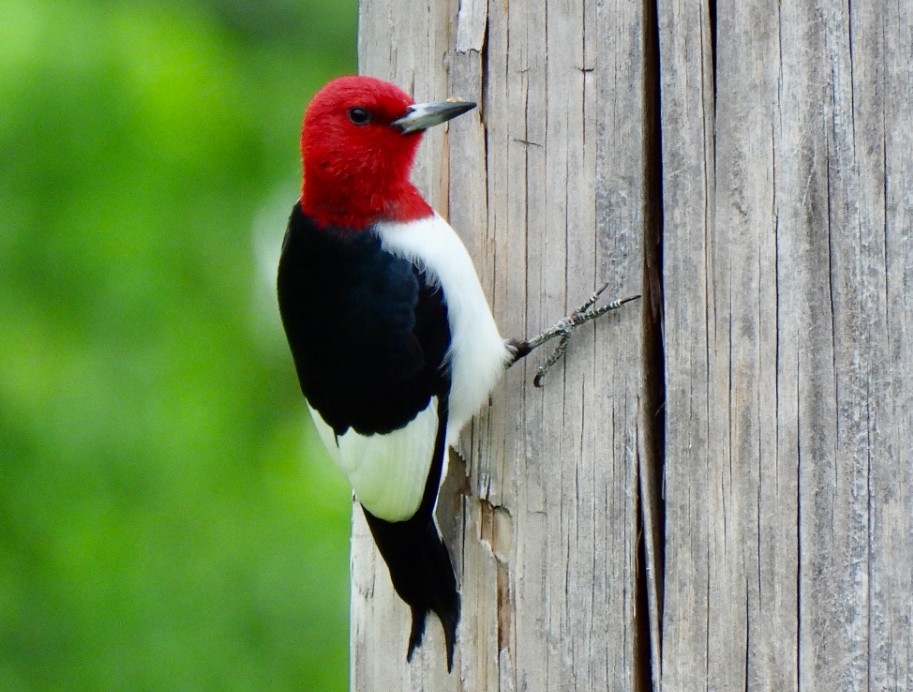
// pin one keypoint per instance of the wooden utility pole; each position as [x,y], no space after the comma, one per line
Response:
[715,490]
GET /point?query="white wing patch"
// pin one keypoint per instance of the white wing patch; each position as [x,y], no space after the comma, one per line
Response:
[387,472]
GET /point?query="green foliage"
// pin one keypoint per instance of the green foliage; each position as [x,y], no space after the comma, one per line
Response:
[167,519]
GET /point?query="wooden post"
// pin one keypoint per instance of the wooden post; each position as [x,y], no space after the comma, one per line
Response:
[716,488]
[788,277]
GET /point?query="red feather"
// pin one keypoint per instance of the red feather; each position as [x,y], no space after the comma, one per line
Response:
[356,175]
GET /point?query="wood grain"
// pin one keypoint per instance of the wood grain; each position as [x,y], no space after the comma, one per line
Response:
[786,157]
[544,184]
[715,490]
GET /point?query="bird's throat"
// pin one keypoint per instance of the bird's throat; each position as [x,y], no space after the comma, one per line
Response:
[358,207]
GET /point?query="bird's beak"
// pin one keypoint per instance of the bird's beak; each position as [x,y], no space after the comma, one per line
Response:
[421,116]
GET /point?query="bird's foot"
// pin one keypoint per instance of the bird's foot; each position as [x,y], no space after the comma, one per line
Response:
[563,329]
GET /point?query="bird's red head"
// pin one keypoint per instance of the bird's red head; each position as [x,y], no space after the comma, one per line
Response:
[358,143]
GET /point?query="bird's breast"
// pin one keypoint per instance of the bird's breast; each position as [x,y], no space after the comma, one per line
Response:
[477,353]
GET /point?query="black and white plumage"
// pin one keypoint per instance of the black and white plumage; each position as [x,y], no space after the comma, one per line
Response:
[395,349]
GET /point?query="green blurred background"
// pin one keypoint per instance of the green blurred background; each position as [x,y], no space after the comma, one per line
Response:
[167,521]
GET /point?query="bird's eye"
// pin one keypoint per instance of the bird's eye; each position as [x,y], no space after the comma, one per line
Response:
[359,116]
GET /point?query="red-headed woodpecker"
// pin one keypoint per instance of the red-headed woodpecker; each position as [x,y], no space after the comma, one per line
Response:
[393,340]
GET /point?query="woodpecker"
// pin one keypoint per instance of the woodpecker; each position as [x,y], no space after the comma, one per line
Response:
[391,334]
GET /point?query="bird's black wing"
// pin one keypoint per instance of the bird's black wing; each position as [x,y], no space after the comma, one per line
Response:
[368,332]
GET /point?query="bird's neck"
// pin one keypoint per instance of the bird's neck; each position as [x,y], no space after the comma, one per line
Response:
[345,205]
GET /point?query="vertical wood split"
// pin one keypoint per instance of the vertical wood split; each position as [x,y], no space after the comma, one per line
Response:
[653,417]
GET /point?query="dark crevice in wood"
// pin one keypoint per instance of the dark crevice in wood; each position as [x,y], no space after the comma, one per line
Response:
[484,98]
[486,77]
[642,677]
[711,13]
[651,512]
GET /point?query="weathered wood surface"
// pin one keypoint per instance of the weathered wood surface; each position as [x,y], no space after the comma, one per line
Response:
[788,281]
[756,530]
[544,184]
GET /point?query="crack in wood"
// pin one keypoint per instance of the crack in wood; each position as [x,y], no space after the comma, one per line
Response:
[651,512]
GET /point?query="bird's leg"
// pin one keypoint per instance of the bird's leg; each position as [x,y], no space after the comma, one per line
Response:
[563,328]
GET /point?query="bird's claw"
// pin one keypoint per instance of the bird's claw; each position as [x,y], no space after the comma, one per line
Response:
[564,328]
[554,358]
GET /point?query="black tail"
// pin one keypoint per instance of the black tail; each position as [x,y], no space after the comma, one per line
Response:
[422,574]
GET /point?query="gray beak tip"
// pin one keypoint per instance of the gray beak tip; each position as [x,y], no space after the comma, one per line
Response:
[421,116]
